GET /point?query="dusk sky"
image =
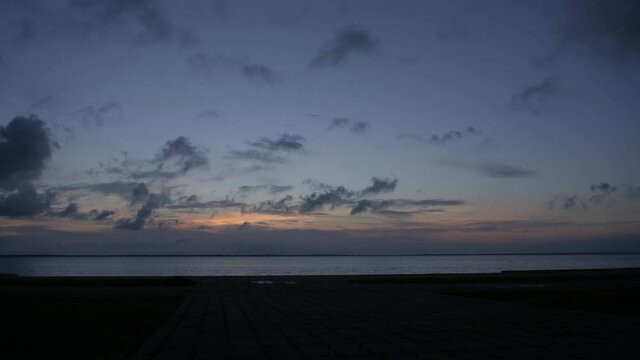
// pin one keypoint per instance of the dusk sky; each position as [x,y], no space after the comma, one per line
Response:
[319,127]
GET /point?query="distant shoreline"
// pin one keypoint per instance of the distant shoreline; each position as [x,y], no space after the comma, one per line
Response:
[321,255]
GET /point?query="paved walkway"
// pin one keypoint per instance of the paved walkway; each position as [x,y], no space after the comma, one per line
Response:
[325,318]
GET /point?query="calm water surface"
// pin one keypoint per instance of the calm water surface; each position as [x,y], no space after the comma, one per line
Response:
[303,265]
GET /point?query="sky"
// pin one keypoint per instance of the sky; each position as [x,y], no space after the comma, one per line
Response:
[319,127]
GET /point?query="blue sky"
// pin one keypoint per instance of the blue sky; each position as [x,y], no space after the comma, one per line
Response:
[253,127]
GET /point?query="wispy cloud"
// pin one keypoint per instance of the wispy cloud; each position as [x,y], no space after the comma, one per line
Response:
[349,40]
[271,150]
[260,74]
[355,127]
[439,139]
[534,98]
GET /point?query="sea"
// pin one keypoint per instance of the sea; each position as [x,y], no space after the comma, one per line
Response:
[303,265]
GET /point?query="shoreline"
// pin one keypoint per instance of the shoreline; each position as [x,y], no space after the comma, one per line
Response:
[503,274]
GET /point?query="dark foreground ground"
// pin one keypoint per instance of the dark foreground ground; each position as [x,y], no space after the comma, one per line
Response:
[516,315]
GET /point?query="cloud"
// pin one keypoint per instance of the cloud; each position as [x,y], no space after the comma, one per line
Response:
[101,215]
[602,193]
[333,197]
[277,189]
[70,211]
[609,29]
[359,127]
[346,41]
[134,192]
[176,158]
[272,189]
[182,153]
[356,127]
[139,194]
[99,115]
[207,115]
[535,97]
[442,139]
[25,148]
[260,74]
[213,204]
[282,206]
[496,170]
[568,202]
[256,155]
[146,210]
[267,150]
[285,142]
[25,202]
[143,20]
[379,186]
[381,206]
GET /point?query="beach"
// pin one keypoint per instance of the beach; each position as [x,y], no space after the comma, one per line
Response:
[510,315]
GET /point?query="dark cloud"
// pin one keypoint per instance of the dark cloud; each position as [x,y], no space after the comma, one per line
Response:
[346,41]
[25,148]
[251,188]
[535,97]
[359,127]
[139,194]
[144,20]
[207,115]
[176,158]
[441,139]
[603,187]
[285,142]
[281,206]
[266,150]
[99,115]
[380,186]
[604,28]
[356,127]
[601,194]
[361,206]
[133,192]
[260,74]
[256,155]
[339,122]
[334,196]
[570,202]
[381,206]
[213,204]
[70,211]
[272,189]
[25,202]
[137,222]
[496,170]
[277,189]
[182,153]
[101,215]
[567,202]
